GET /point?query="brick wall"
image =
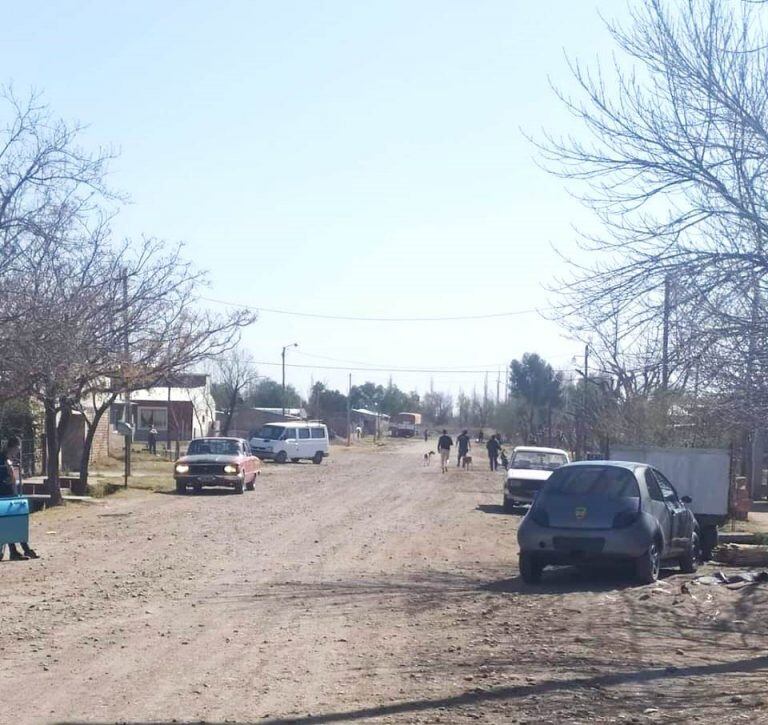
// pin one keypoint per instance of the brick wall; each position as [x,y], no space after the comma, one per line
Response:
[101,443]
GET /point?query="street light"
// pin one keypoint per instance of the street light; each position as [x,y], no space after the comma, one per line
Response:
[293,344]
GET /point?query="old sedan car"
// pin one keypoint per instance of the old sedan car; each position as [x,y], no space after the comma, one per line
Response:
[217,462]
[608,511]
[527,471]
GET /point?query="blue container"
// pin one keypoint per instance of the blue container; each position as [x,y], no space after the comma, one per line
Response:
[14,520]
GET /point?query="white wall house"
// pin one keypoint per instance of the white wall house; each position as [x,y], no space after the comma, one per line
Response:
[180,407]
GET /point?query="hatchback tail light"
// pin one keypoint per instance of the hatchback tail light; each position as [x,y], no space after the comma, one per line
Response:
[623,519]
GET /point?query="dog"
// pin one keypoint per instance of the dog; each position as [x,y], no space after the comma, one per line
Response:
[428,458]
[466,462]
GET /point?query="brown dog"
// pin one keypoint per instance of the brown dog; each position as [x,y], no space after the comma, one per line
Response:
[466,462]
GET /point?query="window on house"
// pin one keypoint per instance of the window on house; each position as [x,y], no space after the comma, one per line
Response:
[147,417]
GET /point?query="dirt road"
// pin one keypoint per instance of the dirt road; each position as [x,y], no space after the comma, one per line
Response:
[367,589]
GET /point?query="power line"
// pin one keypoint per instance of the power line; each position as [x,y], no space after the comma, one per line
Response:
[437,368]
[352,318]
[347,368]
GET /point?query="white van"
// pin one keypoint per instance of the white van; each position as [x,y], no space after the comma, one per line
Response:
[291,441]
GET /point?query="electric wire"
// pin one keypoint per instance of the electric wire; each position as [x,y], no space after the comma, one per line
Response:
[354,318]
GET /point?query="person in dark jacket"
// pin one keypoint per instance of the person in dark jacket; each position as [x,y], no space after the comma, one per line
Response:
[152,440]
[8,488]
[493,446]
[444,444]
[462,442]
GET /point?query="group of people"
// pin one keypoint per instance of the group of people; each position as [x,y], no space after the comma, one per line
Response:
[445,443]
[8,488]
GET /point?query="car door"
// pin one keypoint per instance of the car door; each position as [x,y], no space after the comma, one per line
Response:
[659,508]
[248,460]
[290,439]
[305,443]
[681,520]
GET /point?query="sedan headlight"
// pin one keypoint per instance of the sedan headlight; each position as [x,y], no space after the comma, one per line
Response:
[182,468]
[231,468]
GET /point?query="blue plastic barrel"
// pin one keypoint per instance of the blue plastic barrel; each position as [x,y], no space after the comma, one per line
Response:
[14,520]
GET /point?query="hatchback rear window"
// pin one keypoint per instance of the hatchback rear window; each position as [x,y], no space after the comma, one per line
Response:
[605,481]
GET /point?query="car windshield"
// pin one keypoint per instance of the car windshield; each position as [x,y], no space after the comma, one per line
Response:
[538,460]
[270,432]
[603,481]
[214,447]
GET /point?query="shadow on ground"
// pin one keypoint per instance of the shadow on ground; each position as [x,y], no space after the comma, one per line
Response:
[506,695]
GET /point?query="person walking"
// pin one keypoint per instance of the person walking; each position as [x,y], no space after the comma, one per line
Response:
[444,444]
[493,446]
[462,442]
[9,488]
[152,440]
[426,435]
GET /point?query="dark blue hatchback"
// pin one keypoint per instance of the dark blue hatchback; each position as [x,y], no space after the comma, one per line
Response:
[610,511]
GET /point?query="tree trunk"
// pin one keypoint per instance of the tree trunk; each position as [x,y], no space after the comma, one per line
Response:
[92,427]
[549,425]
[87,445]
[52,450]
[530,425]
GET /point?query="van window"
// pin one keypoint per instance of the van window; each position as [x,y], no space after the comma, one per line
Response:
[290,434]
[270,432]
[303,432]
[318,432]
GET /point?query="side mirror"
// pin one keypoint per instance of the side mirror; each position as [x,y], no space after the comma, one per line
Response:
[686,499]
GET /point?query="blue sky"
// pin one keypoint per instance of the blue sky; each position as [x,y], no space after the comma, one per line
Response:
[350,158]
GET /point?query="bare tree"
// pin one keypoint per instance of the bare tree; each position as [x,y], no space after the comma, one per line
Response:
[674,163]
[73,299]
[438,407]
[235,374]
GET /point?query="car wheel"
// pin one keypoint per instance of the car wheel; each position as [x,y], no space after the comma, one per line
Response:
[239,486]
[281,457]
[689,562]
[648,566]
[251,485]
[508,506]
[318,458]
[181,487]
[530,568]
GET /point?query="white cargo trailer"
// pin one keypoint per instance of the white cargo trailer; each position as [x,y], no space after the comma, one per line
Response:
[704,474]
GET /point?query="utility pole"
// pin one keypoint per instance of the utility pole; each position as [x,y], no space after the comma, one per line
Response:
[584,403]
[168,421]
[128,417]
[293,344]
[665,337]
[498,388]
[349,411]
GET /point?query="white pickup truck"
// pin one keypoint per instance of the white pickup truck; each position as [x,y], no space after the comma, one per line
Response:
[701,473]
